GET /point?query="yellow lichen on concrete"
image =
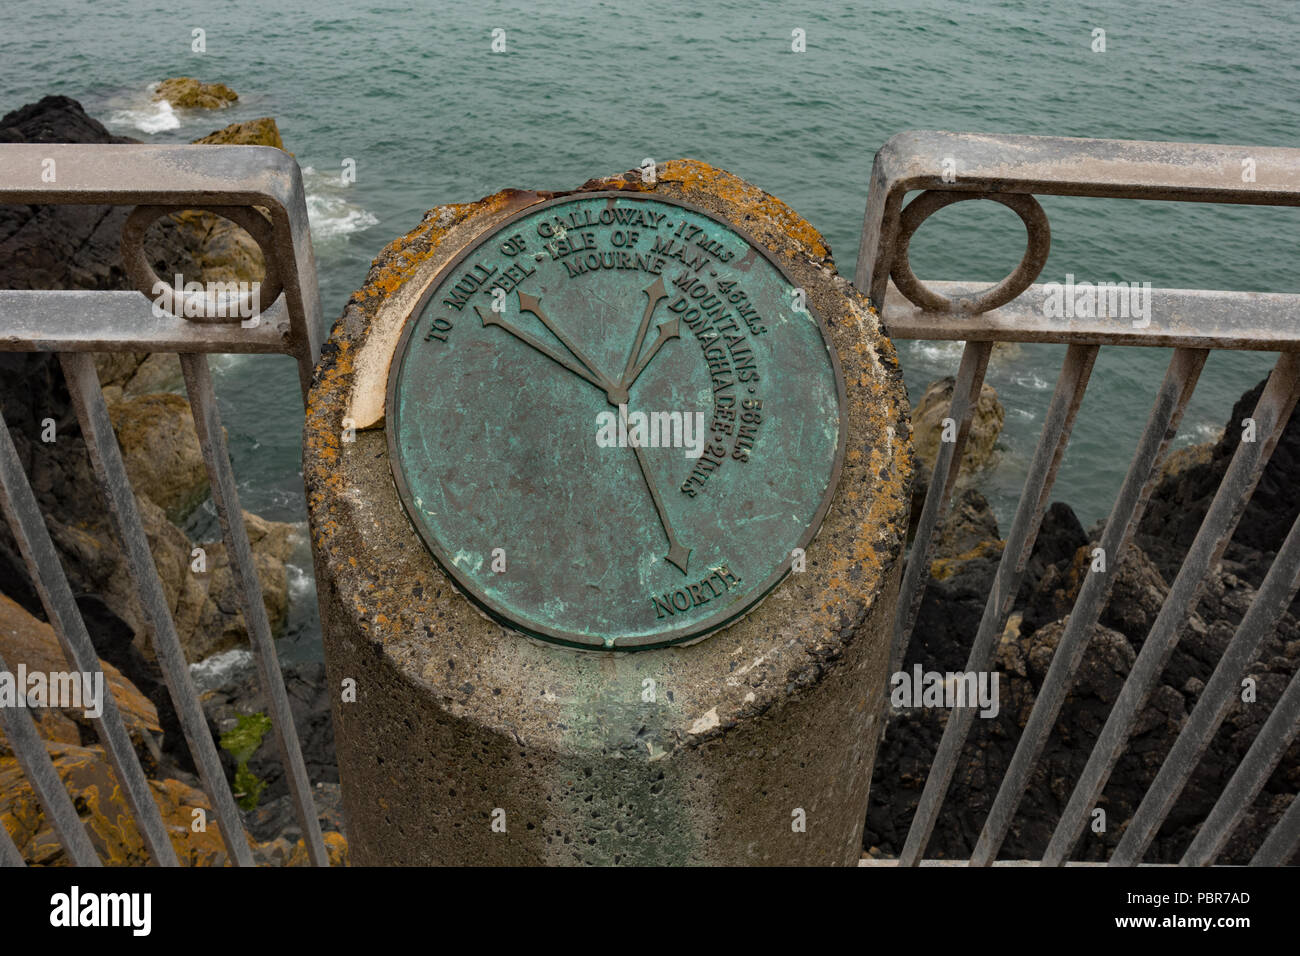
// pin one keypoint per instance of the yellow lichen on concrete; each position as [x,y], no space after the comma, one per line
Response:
[769,214]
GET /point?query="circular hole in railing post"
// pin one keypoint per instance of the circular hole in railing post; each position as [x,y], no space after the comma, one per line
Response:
[1038,242]
[213,301]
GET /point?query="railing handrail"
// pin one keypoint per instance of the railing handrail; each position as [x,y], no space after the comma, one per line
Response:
[177,178]
[951,167]
[230,181]
[986,164]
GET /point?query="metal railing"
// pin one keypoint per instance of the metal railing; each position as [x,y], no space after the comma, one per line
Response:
[234,182]
[1010,170]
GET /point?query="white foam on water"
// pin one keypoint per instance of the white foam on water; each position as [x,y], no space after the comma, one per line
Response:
[301,582]
[329,211]
[1031,380]
[211,672]
[223,363]
[156,117]
[1208,431]
[937,352]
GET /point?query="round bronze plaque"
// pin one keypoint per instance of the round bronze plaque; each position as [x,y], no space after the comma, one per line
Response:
[615,421]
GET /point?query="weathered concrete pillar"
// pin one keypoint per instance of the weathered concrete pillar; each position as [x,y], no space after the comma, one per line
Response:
[462,740]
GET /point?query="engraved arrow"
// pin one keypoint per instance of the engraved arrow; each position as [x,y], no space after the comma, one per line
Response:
[491,318]
[654,294]
[668,330]
[533,304]
[678,554]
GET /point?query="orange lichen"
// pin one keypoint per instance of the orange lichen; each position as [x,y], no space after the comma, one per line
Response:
[762,209]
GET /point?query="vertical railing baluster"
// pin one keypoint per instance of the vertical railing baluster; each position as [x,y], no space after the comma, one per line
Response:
[23,511]
[106,457]
[29,750]
[207,421]
[9,852]
[1270,603]
[1162,424]
[947,464]
[1270,415]
[1057,424]
[1280,845]
[1265,752]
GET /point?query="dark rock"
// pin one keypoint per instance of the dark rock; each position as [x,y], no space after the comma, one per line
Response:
[970,523]
[1136,596]
[1183,497]
[1059,538]
[309,700]
[963,573]
[278,817]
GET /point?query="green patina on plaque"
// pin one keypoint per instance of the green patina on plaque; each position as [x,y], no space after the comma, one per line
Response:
[615,421]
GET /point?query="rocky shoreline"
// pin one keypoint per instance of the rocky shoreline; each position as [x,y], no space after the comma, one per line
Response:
[76,247]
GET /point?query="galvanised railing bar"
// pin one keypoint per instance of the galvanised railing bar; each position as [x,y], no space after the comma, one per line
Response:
[1166,414]
[1270,603]
[1113,168]
[29,749]
[1280,845]
[1061,166]
[932,861]
[1178,318]
[188,177]
[207,420]
[1271,414]
[128,173]
[1012,170]
[23,511]
[9,854]
[77,321]
[965,395]
[1057,425]
[1265,752]
[106,457]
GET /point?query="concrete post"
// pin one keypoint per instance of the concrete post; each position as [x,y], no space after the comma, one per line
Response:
[462,742]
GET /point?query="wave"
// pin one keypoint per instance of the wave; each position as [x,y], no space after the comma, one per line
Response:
[156,117]
[228,666]
[302,583]
[329,212]
[937,352]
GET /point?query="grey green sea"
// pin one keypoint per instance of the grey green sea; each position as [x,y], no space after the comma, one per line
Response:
[414,94]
